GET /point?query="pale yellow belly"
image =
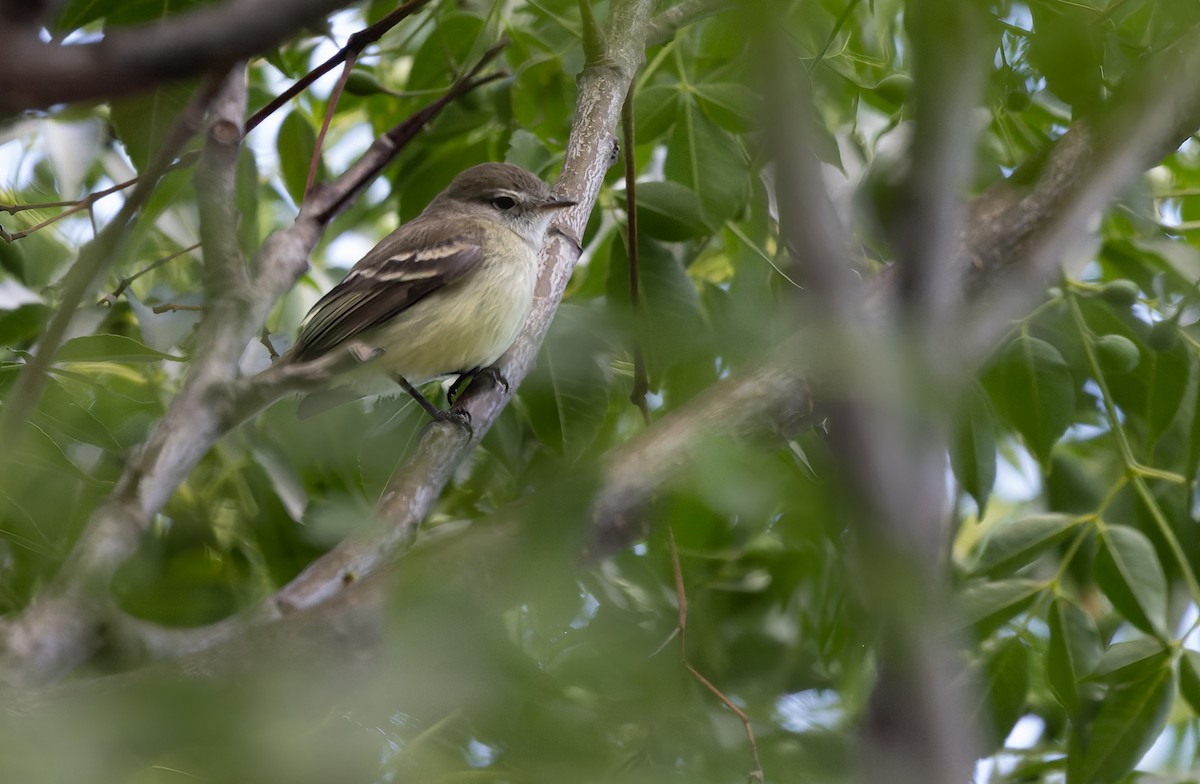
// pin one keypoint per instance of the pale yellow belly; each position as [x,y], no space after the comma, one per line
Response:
[461,327]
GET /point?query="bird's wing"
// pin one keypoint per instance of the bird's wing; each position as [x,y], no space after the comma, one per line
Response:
[407,266]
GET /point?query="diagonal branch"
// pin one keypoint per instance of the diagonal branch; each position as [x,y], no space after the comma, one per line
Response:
[34,73]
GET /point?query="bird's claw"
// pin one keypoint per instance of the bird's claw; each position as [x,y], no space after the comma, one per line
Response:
[456,416]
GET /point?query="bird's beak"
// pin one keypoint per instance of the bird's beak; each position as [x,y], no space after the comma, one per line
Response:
[557,203]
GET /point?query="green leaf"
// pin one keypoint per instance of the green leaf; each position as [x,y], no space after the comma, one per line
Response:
[1018,543]
[987,605]
[671,329]
[1168,376]
[708,160]
[566,396]
[1006,684]
[144,120]
[247,188]
[1127,661]
[1131,717]
[728,104]
[58,412]
[18,327]
[1130,575]
[654,111]
[1068,49]
[973,453]
[1189,678]
[668,211]
[121,12]
[1072,652]
[109,348]
[1033,388]
[527,150]
[296,143]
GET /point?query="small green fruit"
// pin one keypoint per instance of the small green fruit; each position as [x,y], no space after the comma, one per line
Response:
[1118,353]
[1119,293]
[363,83]
[1164,335]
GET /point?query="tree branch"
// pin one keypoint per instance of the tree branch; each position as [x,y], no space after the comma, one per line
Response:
[34,73]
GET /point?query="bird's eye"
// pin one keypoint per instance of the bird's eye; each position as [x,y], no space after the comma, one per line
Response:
[504,203]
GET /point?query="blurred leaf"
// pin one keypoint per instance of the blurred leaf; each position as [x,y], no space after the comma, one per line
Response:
[1018,543]
[1128,661]
[296,143]
[1032,387]
[731,106]
[1128,571]
[109,348]
[1072,652]
[1068,49]
[528,151]
[566,396]
[1006,684]
[654,111]
[708,161]
[249,235]
[668,211]
[987,605]
[973,453]
[1189,678]
[1131,716]
[144,120]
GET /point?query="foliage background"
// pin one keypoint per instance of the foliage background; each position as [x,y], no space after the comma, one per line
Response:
[1072,551]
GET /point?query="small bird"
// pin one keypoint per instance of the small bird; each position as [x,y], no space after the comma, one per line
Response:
[444,294]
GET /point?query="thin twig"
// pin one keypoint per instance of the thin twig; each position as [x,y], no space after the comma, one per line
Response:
[356,43]
[171,307]
[73,207]
[265,338]
[127,281]
[756,772]
[87,202]
[330,108]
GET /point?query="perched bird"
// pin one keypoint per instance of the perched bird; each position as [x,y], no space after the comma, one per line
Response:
[444,294]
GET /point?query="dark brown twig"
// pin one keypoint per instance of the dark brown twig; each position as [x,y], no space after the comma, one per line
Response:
[355,45]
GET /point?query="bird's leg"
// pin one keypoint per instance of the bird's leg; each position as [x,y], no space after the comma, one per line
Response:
[466,377]
[458,416]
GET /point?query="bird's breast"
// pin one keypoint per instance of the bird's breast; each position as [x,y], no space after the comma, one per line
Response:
[466,325]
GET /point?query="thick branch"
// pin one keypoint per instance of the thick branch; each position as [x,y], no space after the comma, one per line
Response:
[34,73]
[764,399]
